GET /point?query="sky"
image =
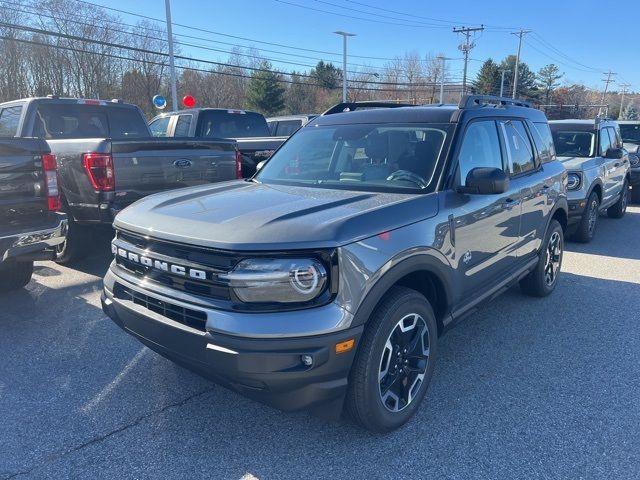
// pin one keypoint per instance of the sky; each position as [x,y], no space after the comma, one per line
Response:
[585,38]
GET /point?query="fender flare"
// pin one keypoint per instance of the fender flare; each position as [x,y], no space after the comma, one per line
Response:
[561,204]
[417,262]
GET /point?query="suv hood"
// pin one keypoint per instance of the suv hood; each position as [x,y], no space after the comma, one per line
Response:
[578,163]
[243,215]
[631,147]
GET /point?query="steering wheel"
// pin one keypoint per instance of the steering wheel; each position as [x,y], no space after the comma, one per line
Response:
[408,176]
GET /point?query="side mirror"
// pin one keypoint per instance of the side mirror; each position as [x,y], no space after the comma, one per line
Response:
[614,153]
[486,181]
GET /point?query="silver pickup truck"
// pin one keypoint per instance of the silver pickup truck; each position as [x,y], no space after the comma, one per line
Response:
[598,169]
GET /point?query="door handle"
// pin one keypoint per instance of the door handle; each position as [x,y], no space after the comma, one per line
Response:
[509,203]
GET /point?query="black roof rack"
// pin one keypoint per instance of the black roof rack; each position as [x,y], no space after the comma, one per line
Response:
[474,101]
[351,106]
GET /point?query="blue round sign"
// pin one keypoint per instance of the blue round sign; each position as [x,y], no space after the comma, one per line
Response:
[159,101]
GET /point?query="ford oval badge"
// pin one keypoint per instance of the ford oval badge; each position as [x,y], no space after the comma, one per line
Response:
[182,163]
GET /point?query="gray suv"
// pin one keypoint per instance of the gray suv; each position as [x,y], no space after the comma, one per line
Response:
[598,169]
[325,281]
[630,131]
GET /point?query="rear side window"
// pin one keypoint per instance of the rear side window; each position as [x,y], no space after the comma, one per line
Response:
[518,146]
[9,120]
[287,128]
[480,148]
[88,121]
[232,124]
[182,126]
[159,127]
[544,141]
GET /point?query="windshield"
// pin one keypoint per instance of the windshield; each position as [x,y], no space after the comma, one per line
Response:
[630,132]
[363,157]
[232,124]
[574,143]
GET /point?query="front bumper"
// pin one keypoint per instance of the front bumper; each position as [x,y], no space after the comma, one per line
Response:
[269,370]
[576,210]
[35,242]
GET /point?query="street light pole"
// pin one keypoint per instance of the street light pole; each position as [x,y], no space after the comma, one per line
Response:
[502,81]
[344,62]
[519,34]
[172,66]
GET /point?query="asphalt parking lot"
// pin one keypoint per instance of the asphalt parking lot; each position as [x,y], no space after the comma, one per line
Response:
[525,388]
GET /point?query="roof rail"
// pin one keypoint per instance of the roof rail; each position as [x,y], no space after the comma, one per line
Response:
[471,101]
[351,106]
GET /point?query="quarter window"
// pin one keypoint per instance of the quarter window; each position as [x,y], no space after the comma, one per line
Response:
[159,127]
[9,119]
[182,126]
[518,145]
[480,148]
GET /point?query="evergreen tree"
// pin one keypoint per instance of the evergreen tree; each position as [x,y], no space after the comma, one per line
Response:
[488,80]
[527,87]
[630,112]
[327,75]
[264,90]
[548,77]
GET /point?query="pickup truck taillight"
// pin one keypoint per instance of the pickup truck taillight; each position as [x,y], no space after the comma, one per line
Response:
[99,167]
[238,164]
[51,182]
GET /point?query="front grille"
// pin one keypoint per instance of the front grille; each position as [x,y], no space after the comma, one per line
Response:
[186,316]
[213,262]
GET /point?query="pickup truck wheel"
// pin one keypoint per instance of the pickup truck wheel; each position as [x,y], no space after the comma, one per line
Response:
[74,246]
[14,275]
[542,280]
[394,363]
[587,226]
[620,207]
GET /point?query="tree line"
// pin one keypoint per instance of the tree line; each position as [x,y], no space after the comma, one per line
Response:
[71,48]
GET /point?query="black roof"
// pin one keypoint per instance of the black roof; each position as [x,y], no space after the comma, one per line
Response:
[428,114]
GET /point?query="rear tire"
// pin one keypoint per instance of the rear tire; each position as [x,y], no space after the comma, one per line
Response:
[394,363]
[74,247]
[542,280]
[15,275]
[620,207]
[589,221]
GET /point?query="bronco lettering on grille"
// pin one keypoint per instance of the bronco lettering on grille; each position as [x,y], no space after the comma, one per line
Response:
[159,264]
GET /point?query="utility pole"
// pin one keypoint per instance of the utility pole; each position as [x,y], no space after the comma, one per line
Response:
[443,59]
[466,48]
[172,65]
[520,34]
[502,72]
[344,62]
[606,81]
[624,87]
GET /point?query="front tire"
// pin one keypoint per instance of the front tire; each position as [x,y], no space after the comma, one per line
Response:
[15,275]
[542,280]
[394,363]
[589,221]
[620,207]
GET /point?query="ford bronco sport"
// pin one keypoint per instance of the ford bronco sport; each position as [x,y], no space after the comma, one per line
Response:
[326,280]
[598,172]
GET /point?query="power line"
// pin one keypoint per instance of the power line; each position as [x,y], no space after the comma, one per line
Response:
[182,57]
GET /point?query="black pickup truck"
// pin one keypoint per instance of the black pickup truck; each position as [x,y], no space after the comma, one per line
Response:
[31,225]
[249,129]
[107,158]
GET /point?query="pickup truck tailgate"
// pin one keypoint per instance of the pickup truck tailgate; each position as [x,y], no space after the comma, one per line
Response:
[146,167]
[22,187]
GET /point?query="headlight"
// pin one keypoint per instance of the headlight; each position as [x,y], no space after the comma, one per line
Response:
[634,160]
[573,181]
[291,280]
